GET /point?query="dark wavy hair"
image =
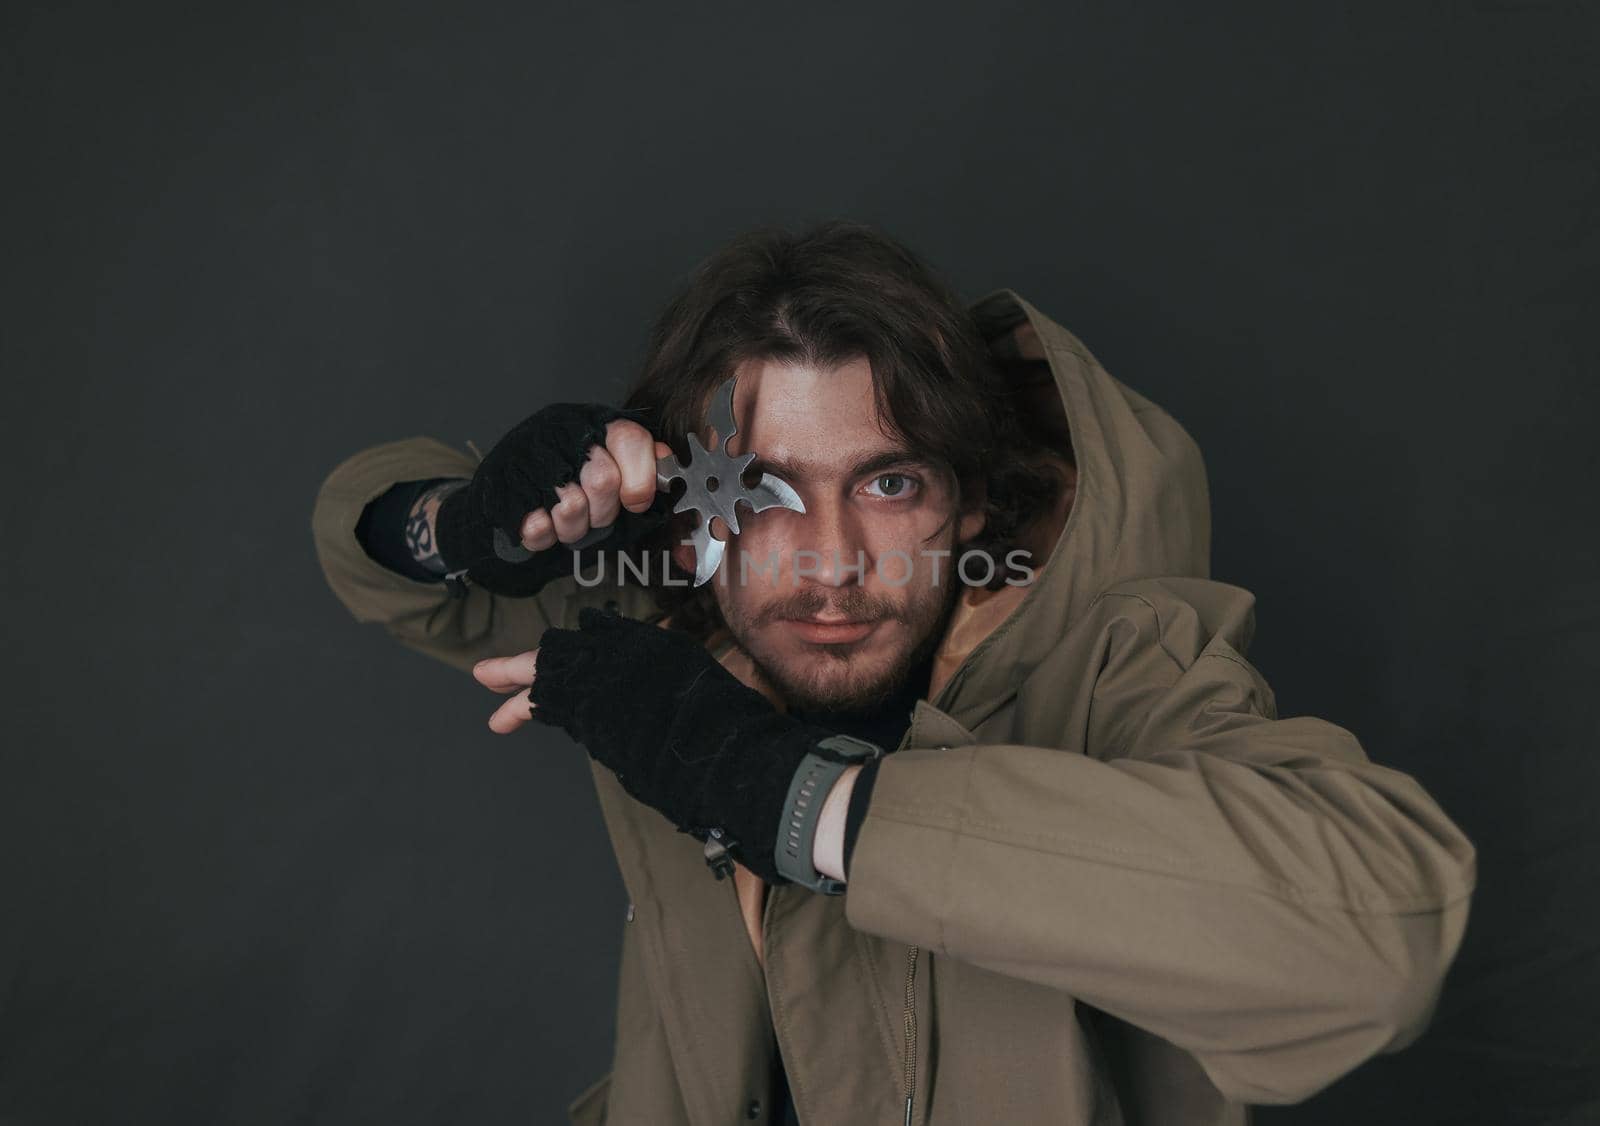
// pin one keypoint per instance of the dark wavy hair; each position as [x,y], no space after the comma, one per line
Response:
[839,291]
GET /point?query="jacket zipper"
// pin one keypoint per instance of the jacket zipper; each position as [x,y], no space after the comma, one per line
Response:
[911,1028]
[909,1012]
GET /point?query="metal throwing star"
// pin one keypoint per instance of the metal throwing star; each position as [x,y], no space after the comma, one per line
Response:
[714,484]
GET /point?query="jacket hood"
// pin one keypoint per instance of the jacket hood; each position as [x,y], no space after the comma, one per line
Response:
[1142,509]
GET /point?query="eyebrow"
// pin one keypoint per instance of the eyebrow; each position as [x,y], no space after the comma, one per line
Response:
[805,469]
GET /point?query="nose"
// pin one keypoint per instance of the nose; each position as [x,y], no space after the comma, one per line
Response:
[830,547]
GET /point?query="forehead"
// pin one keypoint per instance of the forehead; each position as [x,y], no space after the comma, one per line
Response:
[788,410]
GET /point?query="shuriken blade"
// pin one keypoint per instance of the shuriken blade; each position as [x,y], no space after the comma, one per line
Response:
[714,485]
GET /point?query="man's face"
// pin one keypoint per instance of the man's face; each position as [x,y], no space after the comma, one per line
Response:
[823,631]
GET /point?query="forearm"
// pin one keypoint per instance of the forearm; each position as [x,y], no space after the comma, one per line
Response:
[417,611]
[1299,918]
[827,848]
[397,528]
[421,540]
[839,823]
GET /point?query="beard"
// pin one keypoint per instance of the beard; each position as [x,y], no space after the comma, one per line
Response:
[843,677]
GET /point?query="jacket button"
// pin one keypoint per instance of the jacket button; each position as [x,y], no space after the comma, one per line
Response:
[754,1109]
[630,912]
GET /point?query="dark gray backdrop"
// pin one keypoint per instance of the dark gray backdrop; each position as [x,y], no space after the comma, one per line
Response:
[261,865]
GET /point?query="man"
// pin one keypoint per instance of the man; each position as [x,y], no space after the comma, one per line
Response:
[1094,879]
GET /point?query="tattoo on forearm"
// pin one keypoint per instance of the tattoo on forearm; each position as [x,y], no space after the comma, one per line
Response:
[419,525]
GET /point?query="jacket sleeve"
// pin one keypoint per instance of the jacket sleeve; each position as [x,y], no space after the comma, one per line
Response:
[419,614]
[1252,889]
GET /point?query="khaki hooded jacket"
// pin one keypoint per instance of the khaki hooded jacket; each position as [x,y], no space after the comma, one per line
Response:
[1100,881]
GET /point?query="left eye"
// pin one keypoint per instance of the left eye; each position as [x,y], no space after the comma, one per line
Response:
[899,484]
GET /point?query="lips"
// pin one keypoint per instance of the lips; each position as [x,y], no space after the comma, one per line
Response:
[832,630]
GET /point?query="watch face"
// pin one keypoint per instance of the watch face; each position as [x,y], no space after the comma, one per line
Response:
[850,747]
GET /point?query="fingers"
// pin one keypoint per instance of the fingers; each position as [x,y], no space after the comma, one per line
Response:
[600,480]
[511,715]
[632,450]
[621,474]
[571,512]
[508,674]
[538,531]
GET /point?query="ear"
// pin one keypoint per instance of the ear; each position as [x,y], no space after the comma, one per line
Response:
[683,556]
[683,553]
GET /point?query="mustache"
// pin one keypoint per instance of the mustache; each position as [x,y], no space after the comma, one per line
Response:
[852,602]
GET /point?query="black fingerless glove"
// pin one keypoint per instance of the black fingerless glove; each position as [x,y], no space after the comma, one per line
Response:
[520,474]
[682,733]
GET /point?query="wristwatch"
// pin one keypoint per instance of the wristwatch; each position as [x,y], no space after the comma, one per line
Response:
[813,778]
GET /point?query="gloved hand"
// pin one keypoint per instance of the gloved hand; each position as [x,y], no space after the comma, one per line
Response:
[682,734]
[520,475]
